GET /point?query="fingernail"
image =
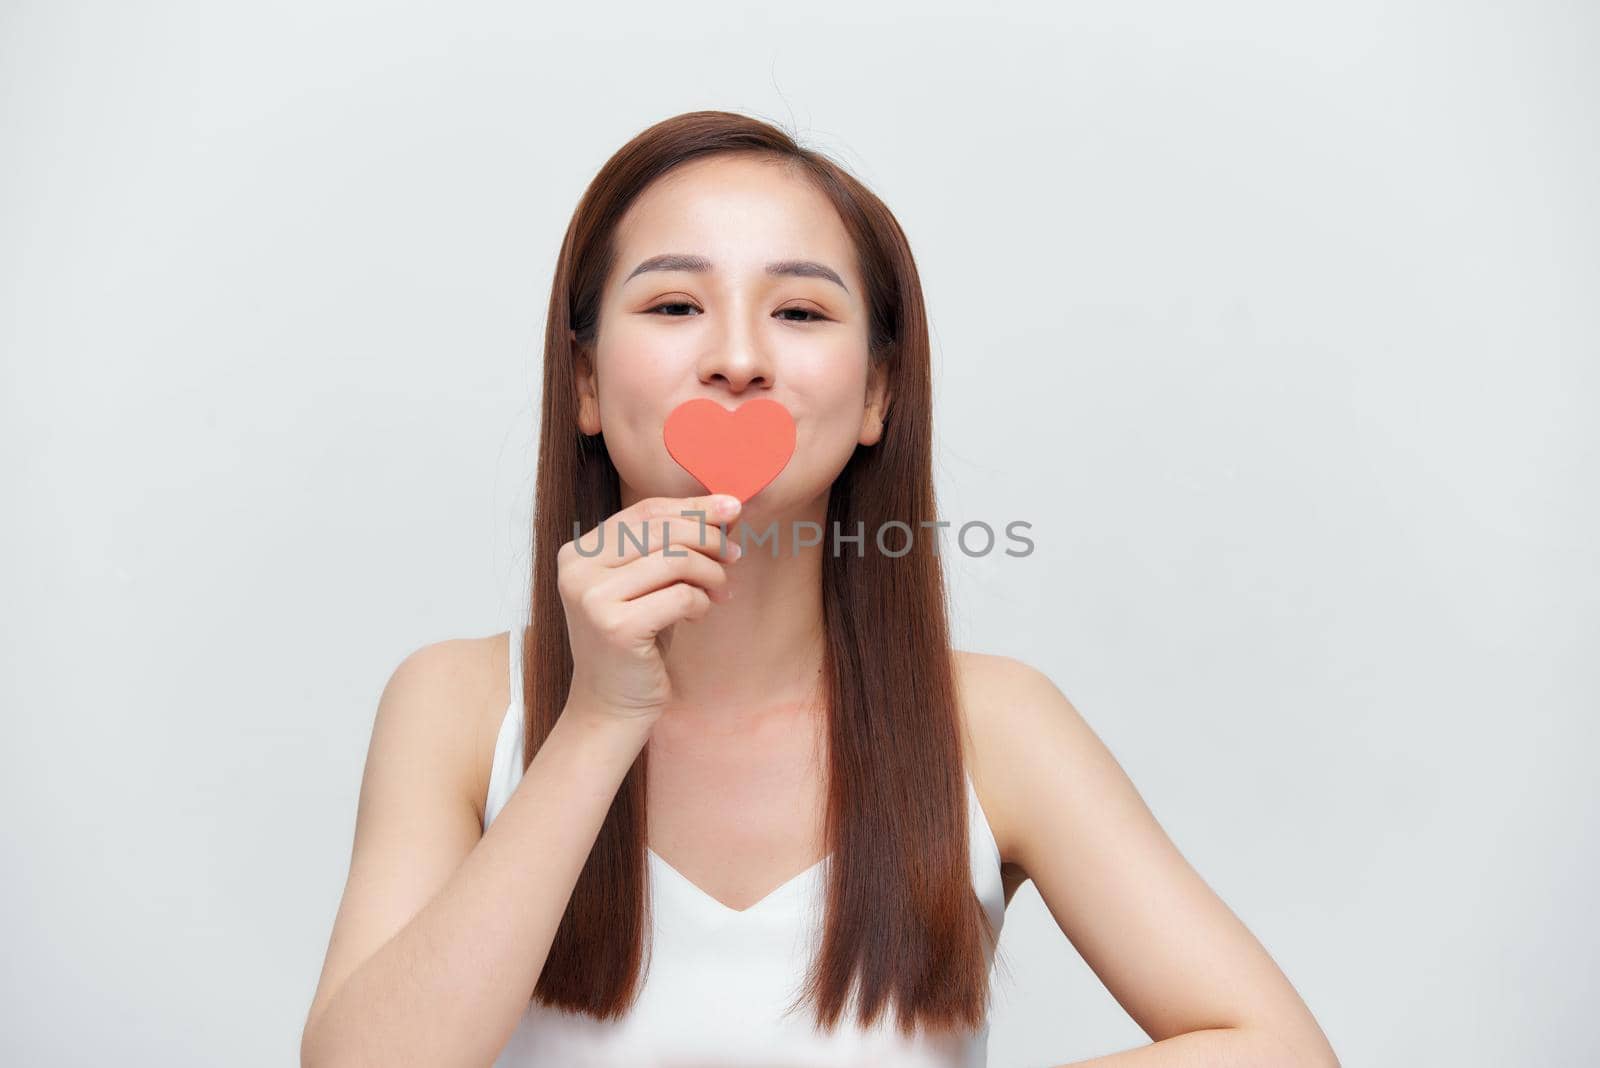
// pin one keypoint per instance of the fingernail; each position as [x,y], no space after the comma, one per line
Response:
[727,505]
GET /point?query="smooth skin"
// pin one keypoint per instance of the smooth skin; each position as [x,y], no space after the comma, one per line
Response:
[444,927]
[441,990]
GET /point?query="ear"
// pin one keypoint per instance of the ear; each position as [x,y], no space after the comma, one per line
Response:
[877,407]
[588,384]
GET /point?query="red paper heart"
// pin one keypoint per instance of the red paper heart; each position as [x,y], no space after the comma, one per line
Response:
[737,452]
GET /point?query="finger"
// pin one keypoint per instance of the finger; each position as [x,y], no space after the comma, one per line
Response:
[659,569]
[707,508]
[650,614]
[624,541]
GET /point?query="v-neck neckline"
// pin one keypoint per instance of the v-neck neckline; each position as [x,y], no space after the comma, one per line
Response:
[782,890]
[777,893]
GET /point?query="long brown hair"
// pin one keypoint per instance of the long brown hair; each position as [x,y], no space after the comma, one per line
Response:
[901,914]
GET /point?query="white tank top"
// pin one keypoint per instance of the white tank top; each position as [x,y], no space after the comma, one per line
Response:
[719,979]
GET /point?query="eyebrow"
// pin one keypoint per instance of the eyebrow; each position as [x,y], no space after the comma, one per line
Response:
[676,261]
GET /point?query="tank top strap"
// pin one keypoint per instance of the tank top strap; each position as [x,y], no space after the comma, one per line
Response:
[506,769]
[506,773]
[517,633]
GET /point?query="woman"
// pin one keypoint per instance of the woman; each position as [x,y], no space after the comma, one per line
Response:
[838,805]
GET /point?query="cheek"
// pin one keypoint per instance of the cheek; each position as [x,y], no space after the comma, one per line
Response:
[833,388]
[831,419]
[635,380]
[634,374]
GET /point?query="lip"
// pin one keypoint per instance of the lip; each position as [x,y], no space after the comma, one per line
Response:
[735,405]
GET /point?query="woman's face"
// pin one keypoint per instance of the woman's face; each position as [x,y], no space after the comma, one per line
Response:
[699,304]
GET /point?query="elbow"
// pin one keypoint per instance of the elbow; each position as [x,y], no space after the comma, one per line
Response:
[313,1049]
[313,1057]
[1315,1054]
[1286,1050]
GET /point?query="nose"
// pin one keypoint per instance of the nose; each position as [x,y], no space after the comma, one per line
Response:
[737,359]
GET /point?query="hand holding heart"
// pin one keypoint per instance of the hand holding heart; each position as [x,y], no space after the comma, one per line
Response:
[621,601]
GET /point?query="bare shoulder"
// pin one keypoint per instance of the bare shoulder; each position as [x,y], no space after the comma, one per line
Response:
[425,776]
[1165,945]
[450,695]
[1013,713]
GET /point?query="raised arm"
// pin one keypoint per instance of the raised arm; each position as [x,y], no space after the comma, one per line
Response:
[443,928]
[442,935]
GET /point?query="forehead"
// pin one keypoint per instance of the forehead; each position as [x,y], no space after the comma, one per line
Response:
[738,212]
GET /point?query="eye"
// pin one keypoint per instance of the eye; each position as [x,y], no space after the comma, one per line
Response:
[673,304]
[816,317]
[811,316]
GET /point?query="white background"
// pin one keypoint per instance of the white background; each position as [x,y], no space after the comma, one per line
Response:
[1278,323]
